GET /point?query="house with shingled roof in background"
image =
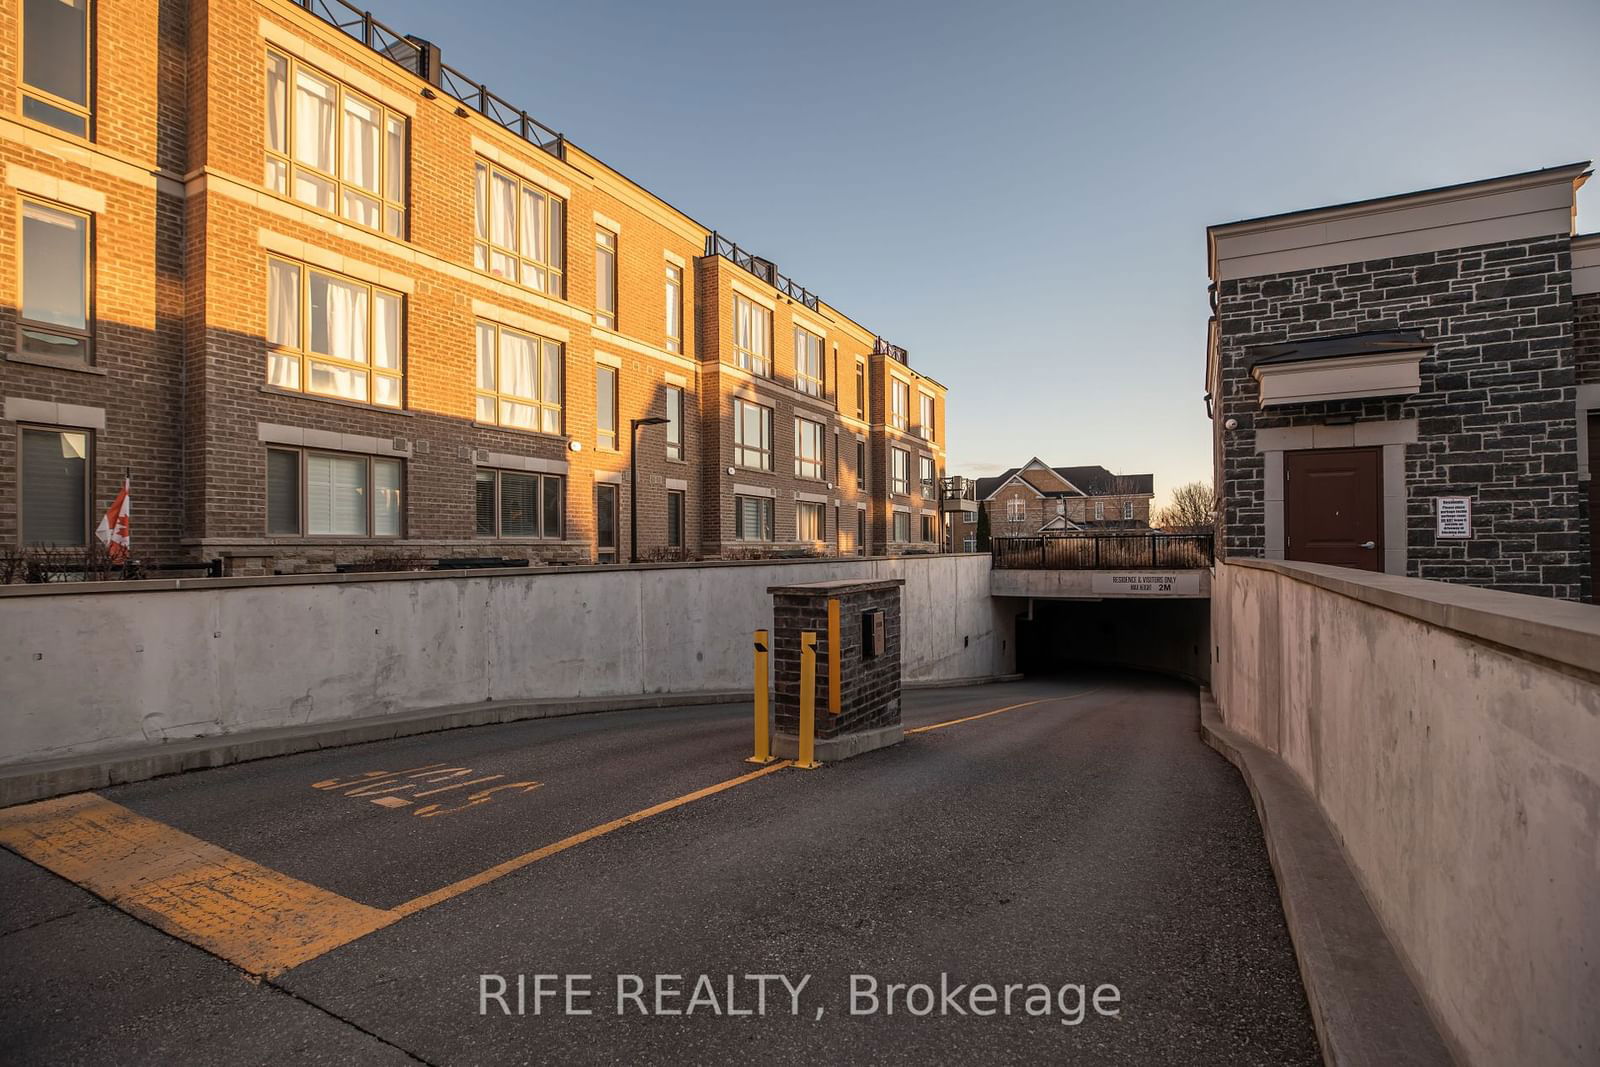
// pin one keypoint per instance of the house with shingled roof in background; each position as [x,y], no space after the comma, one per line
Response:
[1038,498]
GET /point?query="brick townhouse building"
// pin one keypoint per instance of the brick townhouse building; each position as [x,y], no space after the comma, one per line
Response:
[1038,498]
[324,297]
[1412,384]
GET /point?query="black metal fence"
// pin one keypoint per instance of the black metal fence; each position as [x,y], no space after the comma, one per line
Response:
[718,245]
[1083,552]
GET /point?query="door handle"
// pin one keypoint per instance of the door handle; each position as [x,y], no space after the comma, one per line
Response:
[1369,544]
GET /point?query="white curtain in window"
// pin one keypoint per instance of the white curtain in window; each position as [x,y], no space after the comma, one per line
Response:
[395,160]
[361,133]
[336,495]
[386,498]
[485,356]
[480,202]
[314,121]
[504,224]
[277,102]
[519,361]
[283,304]
[338,318]
[534,240]
[386,331]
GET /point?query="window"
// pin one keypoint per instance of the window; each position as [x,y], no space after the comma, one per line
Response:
[861,390]
[808,522]
[1016,510]
[520,230]
[332,336]
[1127,509]
[808,448]
[861,464]
[333,494]
[752,516]
[675,509]
[925,417]
[861,533]
[899,471]
[970,544]
[519,379]
[605,278]
[55,64]
[674,422]
[925,476]
[899,416]
[752,336]
[807,362]
[674,308]
[332,148]
[1099,510]
[55,283]
[752,435]
[605,407]
[514,504]
[605,522]
[902,526]
[54,478]
[928,533]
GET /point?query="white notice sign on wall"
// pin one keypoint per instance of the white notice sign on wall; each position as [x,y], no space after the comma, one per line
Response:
[1453,515]
[1147,583]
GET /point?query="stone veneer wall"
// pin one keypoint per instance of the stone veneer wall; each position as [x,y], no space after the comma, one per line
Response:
[1495,416]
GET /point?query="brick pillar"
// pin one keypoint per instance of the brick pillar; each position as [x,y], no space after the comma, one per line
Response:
[869,685]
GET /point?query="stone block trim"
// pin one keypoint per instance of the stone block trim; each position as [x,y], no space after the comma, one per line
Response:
[1495,414]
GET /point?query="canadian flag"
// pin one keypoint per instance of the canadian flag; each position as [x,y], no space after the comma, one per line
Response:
[113,529]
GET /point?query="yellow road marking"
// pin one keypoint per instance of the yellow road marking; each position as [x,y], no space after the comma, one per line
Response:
[256,918]
[997,711]
[500,870]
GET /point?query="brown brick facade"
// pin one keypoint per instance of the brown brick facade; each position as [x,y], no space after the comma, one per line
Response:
[184,230]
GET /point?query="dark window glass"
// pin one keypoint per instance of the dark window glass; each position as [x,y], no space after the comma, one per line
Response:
[674,422]
[552,507]
[55,60]
[519,505]
[605,403]
[606,517]
[483,507]
[55,478]
[861,533]
[675,519]
[283,492]
[55,297]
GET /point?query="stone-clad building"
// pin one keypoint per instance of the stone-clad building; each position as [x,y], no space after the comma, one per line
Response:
[325,298]
[1411,384]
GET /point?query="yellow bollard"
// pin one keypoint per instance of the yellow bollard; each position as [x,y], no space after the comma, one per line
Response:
[763,739]
[806,758]
[833,656]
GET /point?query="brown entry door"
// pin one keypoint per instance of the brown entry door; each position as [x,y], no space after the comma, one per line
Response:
[1333,507]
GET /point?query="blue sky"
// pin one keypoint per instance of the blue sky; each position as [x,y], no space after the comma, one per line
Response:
[1018,192]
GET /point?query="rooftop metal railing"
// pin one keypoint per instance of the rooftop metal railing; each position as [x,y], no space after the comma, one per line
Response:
[765,269]
[416,56]
[1082,552]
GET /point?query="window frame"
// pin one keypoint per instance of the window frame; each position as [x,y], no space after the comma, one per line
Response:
[899,473]
[26,91]
[811,385]
[861,389]
[600,432]
[1016,509]
[304,354]
[899,414]
[861,464]
[742,450]
[926,531]
[606,317]
[801,461]
[757,363]
[672,403]
[682,498]
[674,307]
[24,324]
[497,396]
[929,486]
[88,480]
[767,518]
[927,412]
[302,495]
[483,230]
[292,65]
[894,527]
[807,507]
[1127,510]
[543,481]
[1099,511]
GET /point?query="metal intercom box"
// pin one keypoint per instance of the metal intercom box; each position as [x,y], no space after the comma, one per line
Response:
[872,633]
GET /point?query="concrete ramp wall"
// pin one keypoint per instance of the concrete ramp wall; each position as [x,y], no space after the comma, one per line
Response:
[116,666]
[1452,738]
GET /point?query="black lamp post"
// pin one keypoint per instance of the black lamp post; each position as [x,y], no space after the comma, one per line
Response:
[633,482]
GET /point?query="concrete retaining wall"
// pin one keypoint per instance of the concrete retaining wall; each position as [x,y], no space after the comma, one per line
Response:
[86,670]
[1452,737]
